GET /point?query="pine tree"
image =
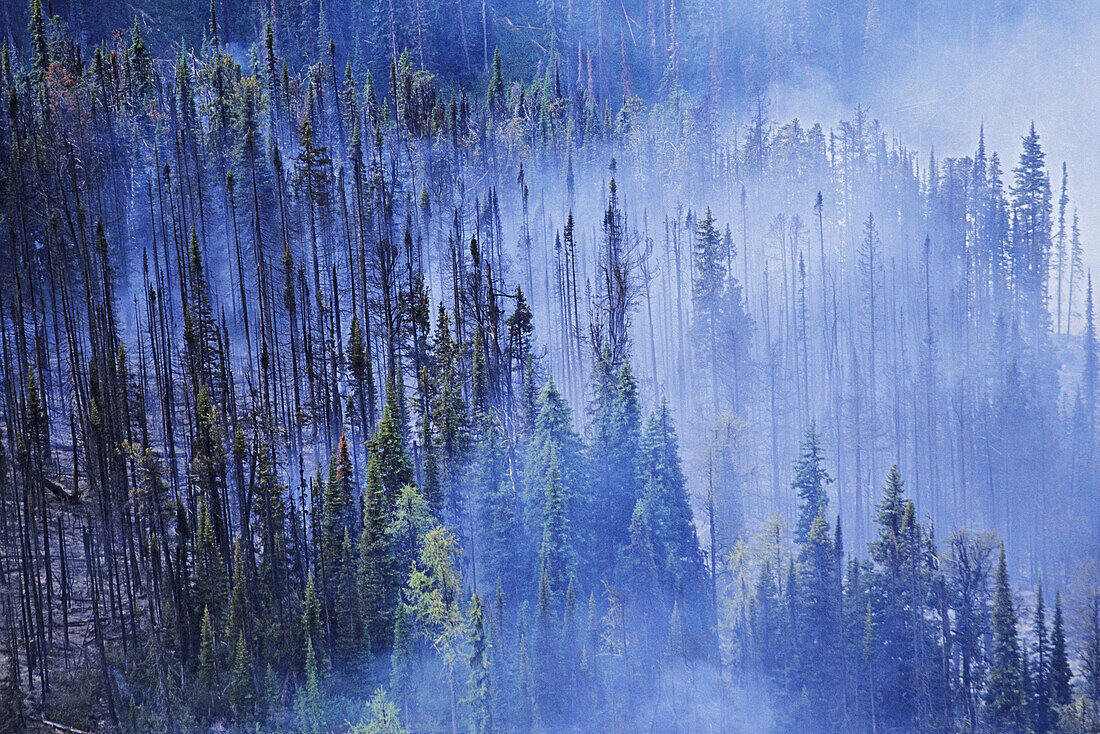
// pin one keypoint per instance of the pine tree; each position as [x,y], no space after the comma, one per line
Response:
[239,619]
[764,621]
[40,48]
[1004,695]
[496,97]
[818,635]
[140,62]
[810,480]
[450,424]
[707,295]
[1031,233]
[308,706]
[208,665]
[375,561]
[891,513]
[1060,673]
[499,530]
[1042,690]
[554,434]
[665,493]
[241,693]
[616,432]
[388,448]
[480,694]
[401,662]
[555,552]
[211,585]
[1090,650]
[1090,373]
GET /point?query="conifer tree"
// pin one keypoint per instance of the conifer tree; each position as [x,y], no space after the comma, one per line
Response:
[241,692]
[1042,690]
[555,551]
[498,510]
[388,449]
[312,625]
[383,717]
[375,567]
[309,706]
[810,481]
[1060,673]
[664,491]
[480,695]
[554,435]
[1005,688]
[818,635]
[208,665]
[401,662]
[40,49]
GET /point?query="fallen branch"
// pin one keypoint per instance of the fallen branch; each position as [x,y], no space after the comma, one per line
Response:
[62,727]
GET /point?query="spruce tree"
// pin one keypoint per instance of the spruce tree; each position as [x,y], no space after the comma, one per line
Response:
[375,561]
[1042,690]
[1060,673]
[480,692]
[810,481]
[664,491]
[308,705]
[240,692]
[388,448]
[1005,693]
[555,551]
[498,508]
[818,634]
[554,434]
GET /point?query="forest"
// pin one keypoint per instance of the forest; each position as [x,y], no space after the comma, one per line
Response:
[439,366]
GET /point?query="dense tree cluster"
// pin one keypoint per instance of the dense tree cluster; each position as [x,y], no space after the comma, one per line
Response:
[916,637]
[337,399]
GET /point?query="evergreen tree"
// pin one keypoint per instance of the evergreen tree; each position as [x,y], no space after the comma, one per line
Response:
[401,662]
[665,493]
[1042,689]
[375,560]
[1060,673]
[310,709]
[616,432]
[208,672]
[388,449]
[554,435]
[1031,232]
[555,551]
[1005,688]
[810,480]
[496,100]
[819,626]
[499,529]
[241,693]
[480,695]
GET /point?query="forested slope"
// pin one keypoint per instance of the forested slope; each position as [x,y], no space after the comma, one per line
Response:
[348,391]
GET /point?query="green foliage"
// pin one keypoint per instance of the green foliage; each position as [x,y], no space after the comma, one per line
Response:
[1005,694]
[241,693]
[308,705]
[479,698]
[382,717]
[810,480]
[1060,672]
[664,492]
[555,552]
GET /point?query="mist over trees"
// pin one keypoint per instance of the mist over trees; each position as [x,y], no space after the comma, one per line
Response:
[435,366]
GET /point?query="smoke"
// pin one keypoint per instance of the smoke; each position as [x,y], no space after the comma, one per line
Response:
[1038,66]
